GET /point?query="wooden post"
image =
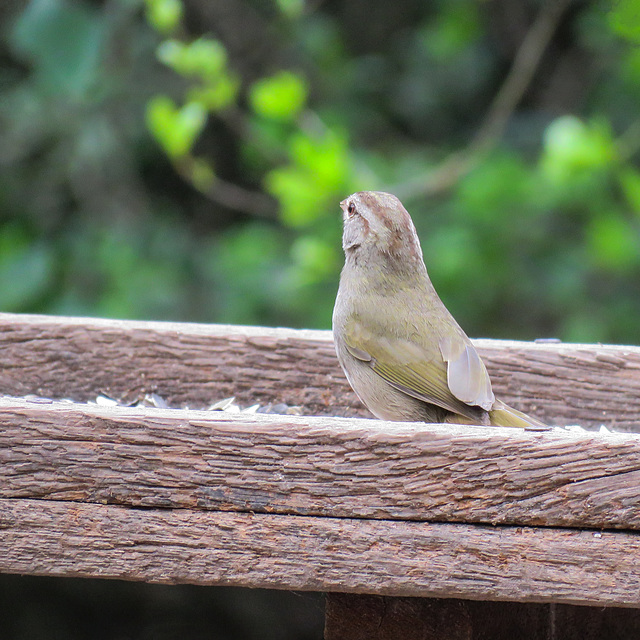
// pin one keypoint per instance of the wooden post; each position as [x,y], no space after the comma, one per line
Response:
[370,617]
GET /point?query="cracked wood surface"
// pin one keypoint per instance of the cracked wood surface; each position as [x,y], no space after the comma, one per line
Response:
[191,364]
[335,467]
[320,554]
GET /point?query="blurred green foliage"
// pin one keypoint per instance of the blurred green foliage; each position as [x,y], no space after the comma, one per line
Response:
[184,159]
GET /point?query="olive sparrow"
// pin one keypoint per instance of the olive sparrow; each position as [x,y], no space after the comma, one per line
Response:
[403,353]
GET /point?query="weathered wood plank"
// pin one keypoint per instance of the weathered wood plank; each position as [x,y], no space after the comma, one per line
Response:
[335,467]
[369,617]
[194,365]
[320,554]
[188,364]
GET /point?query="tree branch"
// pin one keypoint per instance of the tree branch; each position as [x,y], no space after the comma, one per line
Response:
[520,75]
[228,194]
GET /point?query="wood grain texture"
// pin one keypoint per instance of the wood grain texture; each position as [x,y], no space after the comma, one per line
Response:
[190,364]
[187,364]
[320,554]
[335,467]
[369,617]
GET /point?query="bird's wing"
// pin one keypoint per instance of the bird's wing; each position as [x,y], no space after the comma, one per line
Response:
[449,375]
[467,376]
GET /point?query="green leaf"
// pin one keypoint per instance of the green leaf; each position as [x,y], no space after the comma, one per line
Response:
[175,129]
[164,15]
[171,53]
[297,193]
[320,170]
[326,157]
[280,97]
[205,58]
[572,147]
[624,19]
[64,40]
[613,242]
[217,96]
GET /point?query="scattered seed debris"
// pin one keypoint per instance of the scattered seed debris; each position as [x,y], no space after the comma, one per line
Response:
[105,401]
[222,405]
[227,405]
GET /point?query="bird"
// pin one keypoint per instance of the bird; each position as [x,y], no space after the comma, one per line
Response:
[403,353]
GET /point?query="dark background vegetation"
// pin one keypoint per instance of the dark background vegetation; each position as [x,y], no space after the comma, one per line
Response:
[184,160]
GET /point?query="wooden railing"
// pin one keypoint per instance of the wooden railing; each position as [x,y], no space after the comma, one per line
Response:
[325,501]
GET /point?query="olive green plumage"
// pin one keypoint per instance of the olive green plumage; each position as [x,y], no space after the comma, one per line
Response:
[402,351]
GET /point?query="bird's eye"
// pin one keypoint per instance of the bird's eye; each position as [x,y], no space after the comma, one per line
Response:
[351,209]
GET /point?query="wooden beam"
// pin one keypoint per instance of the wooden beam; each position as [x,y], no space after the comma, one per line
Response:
[335,467]
[190,364]
[315,503]
[320,554]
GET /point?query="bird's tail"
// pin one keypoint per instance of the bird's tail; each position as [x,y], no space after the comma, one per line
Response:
[504,416]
